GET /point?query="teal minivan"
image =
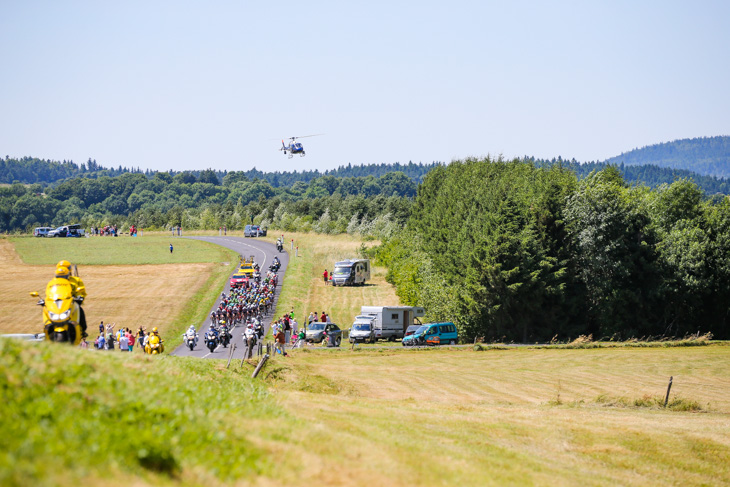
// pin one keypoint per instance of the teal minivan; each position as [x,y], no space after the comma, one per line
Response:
[433,334]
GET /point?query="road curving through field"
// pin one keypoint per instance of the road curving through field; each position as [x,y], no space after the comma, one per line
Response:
[263,253]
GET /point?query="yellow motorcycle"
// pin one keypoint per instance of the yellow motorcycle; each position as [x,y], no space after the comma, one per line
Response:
[154,345]
[60,312]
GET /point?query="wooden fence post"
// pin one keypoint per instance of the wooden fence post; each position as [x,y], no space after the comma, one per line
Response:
[669,388]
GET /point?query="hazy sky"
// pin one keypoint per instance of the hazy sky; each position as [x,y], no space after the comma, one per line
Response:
[190,85]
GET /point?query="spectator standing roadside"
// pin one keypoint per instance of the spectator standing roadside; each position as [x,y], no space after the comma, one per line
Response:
[101,327]
[280,342]
[294,326]
[287,329]
[123,343]
[170,248]
[130,340]
[325,275]
[140,337]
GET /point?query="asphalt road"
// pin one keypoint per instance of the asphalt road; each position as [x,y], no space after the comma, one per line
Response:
[263,253]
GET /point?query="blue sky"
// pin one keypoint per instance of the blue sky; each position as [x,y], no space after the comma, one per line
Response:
[190,85]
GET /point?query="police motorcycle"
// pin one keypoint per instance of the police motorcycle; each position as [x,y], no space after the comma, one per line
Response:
[211,339]
[190,338]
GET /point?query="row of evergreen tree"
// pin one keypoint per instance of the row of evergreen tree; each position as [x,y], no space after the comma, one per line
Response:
[32,170]
[521,252]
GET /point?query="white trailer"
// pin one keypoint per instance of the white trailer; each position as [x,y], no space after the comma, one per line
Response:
[390,322]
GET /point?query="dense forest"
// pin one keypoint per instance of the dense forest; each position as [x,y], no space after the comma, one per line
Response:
[327,204]
[515,251]
[703,155]
[31,170]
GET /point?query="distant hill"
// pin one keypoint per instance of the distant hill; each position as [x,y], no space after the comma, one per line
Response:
[703,155]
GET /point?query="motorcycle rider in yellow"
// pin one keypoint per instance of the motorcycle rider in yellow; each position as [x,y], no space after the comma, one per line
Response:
[154,339]
[78,290]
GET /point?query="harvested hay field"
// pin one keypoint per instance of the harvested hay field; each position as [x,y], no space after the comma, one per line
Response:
[128,295]
[508,417]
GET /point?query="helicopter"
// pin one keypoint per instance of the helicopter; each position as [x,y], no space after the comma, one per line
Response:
[295,147]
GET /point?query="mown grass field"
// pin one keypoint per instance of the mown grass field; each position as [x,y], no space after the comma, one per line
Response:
[168,292]
[393,417]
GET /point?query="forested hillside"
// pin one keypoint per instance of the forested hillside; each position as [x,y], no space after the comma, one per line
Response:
[514,251]
[649,175]
[703,155]
[32,170]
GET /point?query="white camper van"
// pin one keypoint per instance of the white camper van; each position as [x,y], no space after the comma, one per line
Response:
[351,272]
[384,322]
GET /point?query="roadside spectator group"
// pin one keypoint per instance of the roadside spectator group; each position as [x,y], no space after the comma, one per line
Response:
[123,339]
[106,230]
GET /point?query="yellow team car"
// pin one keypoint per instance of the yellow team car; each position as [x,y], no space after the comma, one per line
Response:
[247,268]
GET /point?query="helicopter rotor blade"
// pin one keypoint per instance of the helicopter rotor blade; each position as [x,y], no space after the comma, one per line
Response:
[303,136]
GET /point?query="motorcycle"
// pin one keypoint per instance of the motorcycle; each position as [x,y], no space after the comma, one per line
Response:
[61,312]
[191,340]
[154,345]
[224,337]
[250,338]
[211,341]
[279,246]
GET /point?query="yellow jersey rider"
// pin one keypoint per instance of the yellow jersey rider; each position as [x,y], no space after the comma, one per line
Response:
[78,290]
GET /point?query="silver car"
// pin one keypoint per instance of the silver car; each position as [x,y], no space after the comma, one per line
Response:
[317,330]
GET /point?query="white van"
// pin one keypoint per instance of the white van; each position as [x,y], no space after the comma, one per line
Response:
[41,231]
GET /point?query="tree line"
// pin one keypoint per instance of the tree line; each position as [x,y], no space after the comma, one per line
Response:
[515,251]
[327,204]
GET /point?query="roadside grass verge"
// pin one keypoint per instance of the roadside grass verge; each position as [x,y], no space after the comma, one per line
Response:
[70,414]
[194,310]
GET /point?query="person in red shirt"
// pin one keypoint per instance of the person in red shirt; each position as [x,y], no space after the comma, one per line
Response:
[325,275]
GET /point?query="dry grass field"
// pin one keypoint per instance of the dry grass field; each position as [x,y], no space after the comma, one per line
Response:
[305,290]
[128,295]
[514,417]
